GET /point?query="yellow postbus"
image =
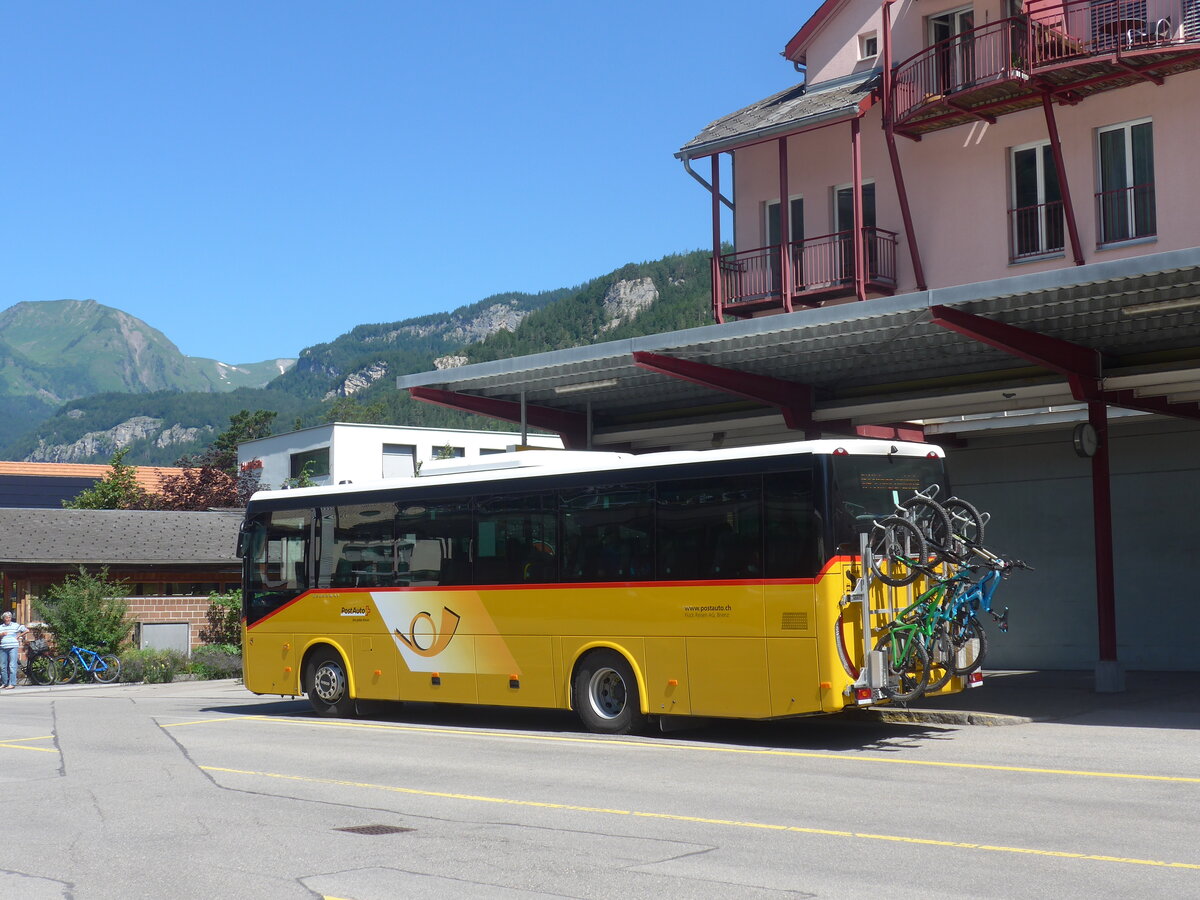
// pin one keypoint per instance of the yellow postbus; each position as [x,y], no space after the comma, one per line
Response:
[624,587]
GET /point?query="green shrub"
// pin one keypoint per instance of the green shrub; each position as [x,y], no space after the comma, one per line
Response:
[152,666]
[217,661]
[87,611]
[224,619]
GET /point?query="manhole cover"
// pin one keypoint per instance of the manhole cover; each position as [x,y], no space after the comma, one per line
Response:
[375,829]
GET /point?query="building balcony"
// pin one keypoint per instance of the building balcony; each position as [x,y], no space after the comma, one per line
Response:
[819,269]
[1066,50]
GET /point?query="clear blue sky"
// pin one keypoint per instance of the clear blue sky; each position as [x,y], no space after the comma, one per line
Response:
[254,177]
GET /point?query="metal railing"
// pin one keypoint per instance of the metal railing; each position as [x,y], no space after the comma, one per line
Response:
[974,57]
[1050,32]
[816,264]
[1126,214]
[1036,230]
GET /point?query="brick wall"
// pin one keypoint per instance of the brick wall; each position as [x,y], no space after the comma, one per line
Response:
[152,610]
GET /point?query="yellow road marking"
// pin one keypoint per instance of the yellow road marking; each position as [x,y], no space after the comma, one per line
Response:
[700,820]
[17,743]
[665,745]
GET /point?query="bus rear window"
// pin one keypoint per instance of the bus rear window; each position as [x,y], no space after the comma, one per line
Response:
[866,488]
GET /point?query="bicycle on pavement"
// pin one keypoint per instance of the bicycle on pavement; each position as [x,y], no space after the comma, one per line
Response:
[79,662]
[40,667]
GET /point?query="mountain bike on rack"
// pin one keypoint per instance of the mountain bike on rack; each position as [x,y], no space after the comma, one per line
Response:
[924,622]
[967,633]
[79,661]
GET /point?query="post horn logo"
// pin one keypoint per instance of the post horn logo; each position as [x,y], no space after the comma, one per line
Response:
[432,639]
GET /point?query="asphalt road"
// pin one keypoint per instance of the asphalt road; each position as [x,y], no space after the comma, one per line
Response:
[204,790]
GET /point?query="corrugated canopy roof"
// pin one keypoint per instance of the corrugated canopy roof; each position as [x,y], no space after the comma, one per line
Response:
[875,362]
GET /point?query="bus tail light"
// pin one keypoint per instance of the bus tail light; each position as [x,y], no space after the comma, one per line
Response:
[862,695]
[975,679]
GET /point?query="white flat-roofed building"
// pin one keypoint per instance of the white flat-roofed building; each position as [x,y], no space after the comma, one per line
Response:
[349,452]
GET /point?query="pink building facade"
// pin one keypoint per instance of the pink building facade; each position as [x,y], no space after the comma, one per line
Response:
[973,143]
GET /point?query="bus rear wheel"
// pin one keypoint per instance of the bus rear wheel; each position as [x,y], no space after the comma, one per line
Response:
[327,686]
[605,694]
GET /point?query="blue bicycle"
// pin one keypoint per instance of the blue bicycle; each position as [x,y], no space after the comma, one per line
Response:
[969,598]
[79,661]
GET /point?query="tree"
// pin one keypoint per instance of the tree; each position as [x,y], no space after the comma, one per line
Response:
[351,409]
[116,490]
[86,611]
[200,488]
[222,452]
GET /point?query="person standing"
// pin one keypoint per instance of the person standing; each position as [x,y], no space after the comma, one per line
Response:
[10,650]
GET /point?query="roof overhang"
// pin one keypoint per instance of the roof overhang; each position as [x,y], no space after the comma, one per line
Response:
[879,362]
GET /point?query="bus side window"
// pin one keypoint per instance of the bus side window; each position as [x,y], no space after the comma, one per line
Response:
[709,528]
[608,535]
[793,545]
[436,544]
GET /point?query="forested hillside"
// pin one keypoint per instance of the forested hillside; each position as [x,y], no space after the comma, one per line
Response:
[352,378]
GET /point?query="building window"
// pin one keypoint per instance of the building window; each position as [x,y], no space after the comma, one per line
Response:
[868,45]
[316,460]
[399,460]
[448,452]
[1035,212]
[844,231]
[954,57]
[1125,201]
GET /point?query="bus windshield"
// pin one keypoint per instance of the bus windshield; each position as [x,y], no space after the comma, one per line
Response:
[867,488]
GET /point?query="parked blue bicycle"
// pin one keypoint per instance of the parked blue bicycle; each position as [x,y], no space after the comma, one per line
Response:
[79,662]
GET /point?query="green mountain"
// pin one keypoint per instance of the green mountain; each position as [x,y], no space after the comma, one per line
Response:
[352,377]
[59,350]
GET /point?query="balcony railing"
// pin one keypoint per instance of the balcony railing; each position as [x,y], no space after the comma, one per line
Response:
[1035,231]
[820,268]
[1126,214]
[1006,65]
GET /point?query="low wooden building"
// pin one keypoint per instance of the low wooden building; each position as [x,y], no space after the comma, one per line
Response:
[169,561]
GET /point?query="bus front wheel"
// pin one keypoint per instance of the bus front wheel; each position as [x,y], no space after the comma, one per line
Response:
[327,686]
[606,694]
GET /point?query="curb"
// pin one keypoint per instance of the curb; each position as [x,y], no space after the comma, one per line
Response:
[944,717]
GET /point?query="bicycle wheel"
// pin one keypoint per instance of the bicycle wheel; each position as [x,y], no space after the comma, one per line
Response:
[42,670]
[68,669]
[969,641]
[906,666]
[941,660]
[897,548]
[934,524]
[108,667]
[965,522]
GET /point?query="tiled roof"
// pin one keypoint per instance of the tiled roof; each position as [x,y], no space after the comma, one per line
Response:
[785,112]
[149,477]
[112,536]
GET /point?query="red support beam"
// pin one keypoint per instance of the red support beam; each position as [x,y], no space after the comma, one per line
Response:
[794,401]
[571,426]
[1106,602]
[791,399]
[785,236]
[1064,188]
[858,229]
[1081,365]
[889,134]
[718,300]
